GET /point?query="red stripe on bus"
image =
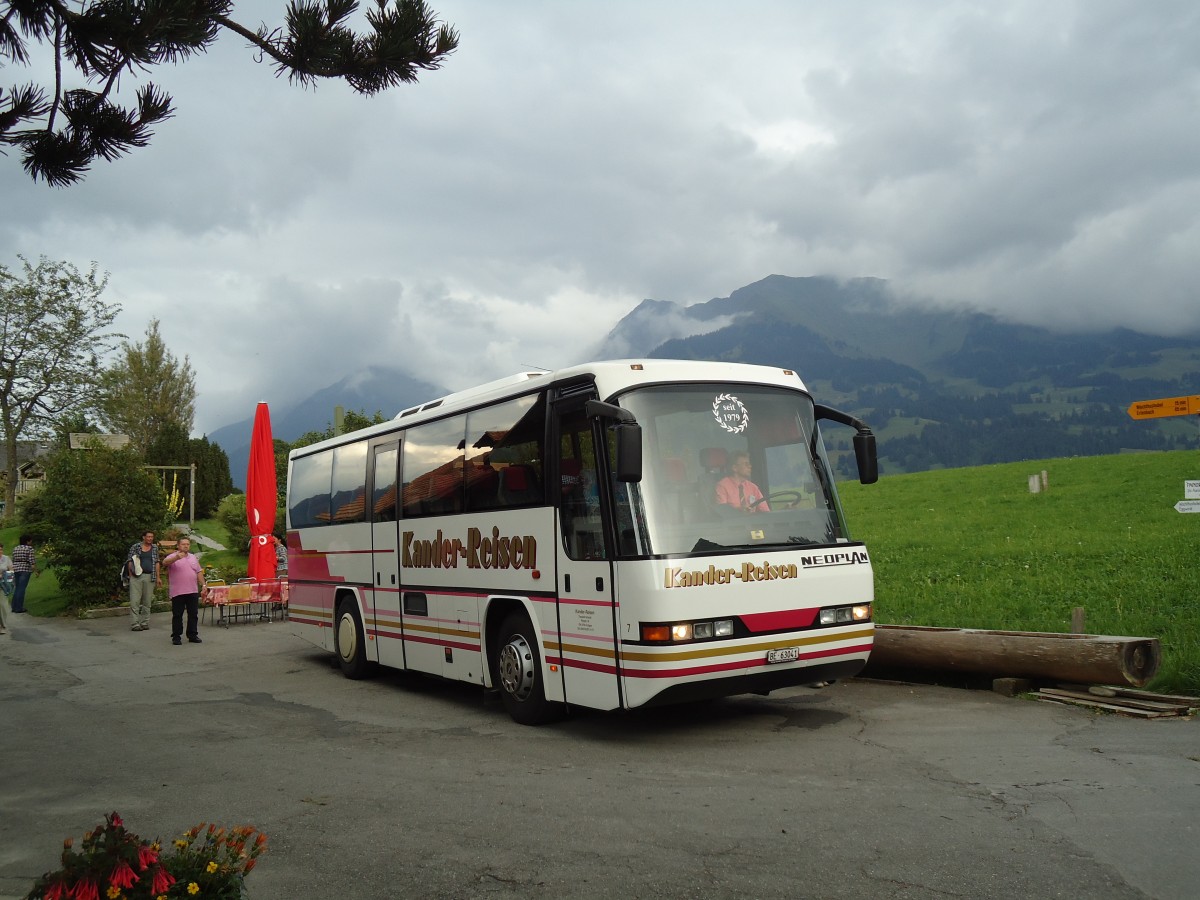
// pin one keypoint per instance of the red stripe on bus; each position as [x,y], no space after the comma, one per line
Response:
[292,617]
[785,620]
[581,664]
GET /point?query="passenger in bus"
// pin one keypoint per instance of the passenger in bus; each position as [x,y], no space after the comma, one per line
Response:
[737,490]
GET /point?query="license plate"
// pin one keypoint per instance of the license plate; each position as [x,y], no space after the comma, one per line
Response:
[784,654]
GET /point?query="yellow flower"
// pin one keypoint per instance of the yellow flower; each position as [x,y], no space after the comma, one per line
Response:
[113,892]
[193,888]
[180,843]
[211,867]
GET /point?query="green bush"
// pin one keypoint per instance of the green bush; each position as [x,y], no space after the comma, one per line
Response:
[231,513]
[31,515]
[96,503]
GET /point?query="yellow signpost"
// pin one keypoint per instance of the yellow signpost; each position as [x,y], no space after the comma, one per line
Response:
[1169,406]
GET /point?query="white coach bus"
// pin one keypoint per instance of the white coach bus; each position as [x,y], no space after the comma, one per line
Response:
[611,535]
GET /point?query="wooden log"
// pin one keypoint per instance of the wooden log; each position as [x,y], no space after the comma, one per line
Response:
[1078,658]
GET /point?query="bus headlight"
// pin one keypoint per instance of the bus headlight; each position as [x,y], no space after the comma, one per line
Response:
[683,632]
[841,615]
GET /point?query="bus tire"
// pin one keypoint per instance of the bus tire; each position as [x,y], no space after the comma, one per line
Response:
[518,673]
[350,643]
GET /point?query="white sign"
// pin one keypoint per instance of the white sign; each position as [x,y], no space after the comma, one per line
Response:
[108,441]
[1188,506]
[1191,490]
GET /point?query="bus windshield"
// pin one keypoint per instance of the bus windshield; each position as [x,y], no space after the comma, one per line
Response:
[726,467]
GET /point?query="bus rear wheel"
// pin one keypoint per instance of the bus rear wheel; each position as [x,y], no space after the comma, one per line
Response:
[349,642]
[519,674]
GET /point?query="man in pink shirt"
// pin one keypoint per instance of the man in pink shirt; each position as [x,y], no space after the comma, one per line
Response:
[185,584]
[737,490]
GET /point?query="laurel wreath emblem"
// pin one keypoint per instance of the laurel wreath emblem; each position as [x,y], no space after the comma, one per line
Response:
[728,401]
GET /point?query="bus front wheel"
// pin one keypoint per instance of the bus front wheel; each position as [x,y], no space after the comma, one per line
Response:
[349,642]
[519,673]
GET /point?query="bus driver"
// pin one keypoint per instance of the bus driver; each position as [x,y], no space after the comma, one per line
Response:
[737,490]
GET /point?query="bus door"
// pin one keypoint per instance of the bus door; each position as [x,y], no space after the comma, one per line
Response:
[586,589]
[385,623]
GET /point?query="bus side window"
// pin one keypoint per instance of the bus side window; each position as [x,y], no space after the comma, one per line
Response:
[579,503]
[504,454]
[348,494]
[383,495]
[433,468]
[309,490]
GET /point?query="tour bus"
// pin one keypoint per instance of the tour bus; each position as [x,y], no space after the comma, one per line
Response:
[574,538]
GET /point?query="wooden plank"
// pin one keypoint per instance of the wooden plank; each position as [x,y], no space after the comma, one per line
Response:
[1096,704]
[1129,702]
[1182,699]
[1193,702]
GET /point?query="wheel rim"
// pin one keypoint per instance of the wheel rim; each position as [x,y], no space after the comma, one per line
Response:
[516,668]
[347,638]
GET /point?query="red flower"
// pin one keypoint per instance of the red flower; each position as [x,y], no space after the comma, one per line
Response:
[85,889]
[57,891]
[116,820]
[146,857]
[162,881]
[122,876]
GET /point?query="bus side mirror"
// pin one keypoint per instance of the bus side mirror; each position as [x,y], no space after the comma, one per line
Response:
[864,441]
[629,438]
[866,457]
[629,451]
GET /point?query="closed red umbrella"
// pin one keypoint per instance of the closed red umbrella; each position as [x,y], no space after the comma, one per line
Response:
[261,497]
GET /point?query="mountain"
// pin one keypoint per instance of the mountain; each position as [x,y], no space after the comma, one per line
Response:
[374,389]
[940,388]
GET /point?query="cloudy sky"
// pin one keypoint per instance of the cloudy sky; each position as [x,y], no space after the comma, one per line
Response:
[1039,160]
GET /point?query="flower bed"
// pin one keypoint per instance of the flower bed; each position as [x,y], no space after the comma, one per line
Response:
[116,864]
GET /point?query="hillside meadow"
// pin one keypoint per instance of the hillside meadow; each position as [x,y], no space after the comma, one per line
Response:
[973,548]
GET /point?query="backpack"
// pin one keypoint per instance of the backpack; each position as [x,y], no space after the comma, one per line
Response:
[125,574]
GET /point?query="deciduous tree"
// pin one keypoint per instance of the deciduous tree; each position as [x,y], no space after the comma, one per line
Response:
[61,129]
[146,390]
[53,330]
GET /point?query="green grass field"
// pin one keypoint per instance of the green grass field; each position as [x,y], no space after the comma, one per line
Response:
[973,548]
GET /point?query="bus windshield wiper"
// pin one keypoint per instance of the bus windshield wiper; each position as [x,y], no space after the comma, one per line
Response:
[793,539]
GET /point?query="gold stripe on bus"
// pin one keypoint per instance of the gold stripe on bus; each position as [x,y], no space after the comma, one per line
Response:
[709,651]
[310,612]
[439,630]
[582,650]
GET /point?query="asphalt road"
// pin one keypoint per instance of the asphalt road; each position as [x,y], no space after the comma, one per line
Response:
[406,787]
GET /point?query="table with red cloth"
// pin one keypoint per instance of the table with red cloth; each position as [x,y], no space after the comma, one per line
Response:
[259,601]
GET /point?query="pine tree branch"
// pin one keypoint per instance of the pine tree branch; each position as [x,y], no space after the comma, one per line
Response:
[107,37]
